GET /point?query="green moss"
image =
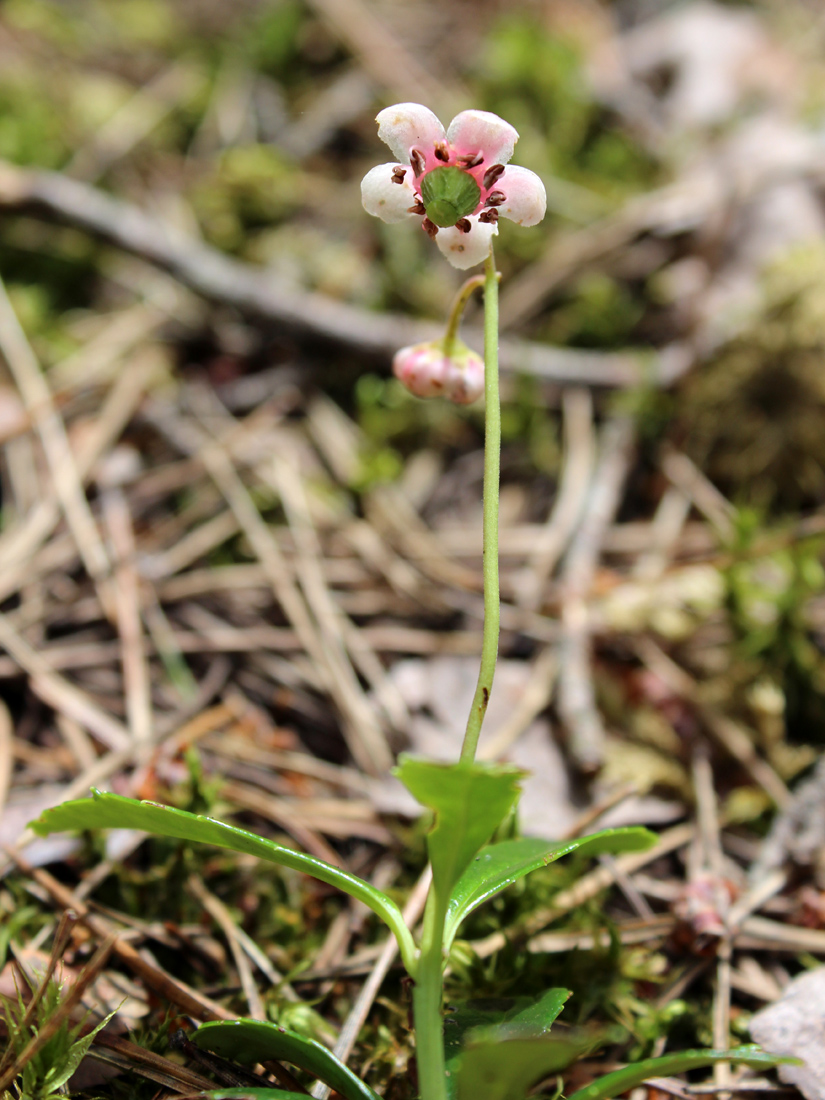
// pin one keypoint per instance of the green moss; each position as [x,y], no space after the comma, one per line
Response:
[536,80]
[273,44]
[597,312]
[249,187]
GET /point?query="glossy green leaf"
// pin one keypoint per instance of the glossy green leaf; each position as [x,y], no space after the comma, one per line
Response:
[251,1041]
[613,1084]
[251,1094]
[470,802]
[504,1069]
[499,865]
[112,811]
[512,1014]
[509,1014]
[537,1016]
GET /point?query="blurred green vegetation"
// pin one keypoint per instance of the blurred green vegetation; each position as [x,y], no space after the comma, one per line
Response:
[267,62]
[752,415]
[535,79]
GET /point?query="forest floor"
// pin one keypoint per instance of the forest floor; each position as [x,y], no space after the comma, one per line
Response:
[240,567]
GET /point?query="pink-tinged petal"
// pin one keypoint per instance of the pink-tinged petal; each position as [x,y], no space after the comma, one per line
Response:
[384,198]
[409,126]
[465,250]
[525,197]
[483,132]
[422,369]
[465,380]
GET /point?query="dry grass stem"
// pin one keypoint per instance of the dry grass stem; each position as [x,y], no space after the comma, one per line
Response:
[64,473]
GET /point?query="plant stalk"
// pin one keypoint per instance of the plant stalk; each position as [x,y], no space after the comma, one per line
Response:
[460,301]
[429,976]
[492,466]
[427,997]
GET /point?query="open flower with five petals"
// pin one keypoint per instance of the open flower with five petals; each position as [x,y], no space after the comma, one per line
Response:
[457,181]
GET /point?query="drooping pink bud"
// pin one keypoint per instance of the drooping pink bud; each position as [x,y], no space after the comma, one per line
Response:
[426,371]
[465,377]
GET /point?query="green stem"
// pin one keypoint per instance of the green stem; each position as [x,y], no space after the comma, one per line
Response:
[457,309]
[492,463]
[429,974]
[427,997]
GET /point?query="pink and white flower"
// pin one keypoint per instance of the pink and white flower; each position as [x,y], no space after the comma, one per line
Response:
[427,371]
[457,181]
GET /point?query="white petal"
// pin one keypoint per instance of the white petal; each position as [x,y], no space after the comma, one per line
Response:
[409,125]
[485,133]
[384,199]
[467,249]
[526,199]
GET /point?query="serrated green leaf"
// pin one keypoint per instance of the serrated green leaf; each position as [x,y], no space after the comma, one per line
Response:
[499,865]
[112,811]
[251,1041]
[470,802]
[613,1084]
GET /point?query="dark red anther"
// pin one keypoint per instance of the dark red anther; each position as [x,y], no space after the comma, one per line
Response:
[430,228]
[490,216]
[464,225]
[470,160]
[495,198]
[398,174]
[494,172]
[417,161]
[442,152]
[417,208]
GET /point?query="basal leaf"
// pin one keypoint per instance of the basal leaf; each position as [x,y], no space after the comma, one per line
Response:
[510,1015]
[499,865]
[613,1084]
[496,1069]
[251,1041]
[535,1016]
[112,811]
[251,1094]
[470,801]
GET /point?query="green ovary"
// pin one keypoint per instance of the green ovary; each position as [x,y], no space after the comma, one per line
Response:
[449,194]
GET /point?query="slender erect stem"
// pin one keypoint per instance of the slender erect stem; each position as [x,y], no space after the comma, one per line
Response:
[427,997]
[492,463]
[429,974]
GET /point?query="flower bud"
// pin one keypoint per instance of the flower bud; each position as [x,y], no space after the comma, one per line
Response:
[426,371]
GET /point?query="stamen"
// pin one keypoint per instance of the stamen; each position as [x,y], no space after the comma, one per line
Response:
[495,198]
[441,151]
[417,208]
[470,160]
[492,174]
[490,216]
[398,174]
[430,228]
[464,225]
[417,161]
